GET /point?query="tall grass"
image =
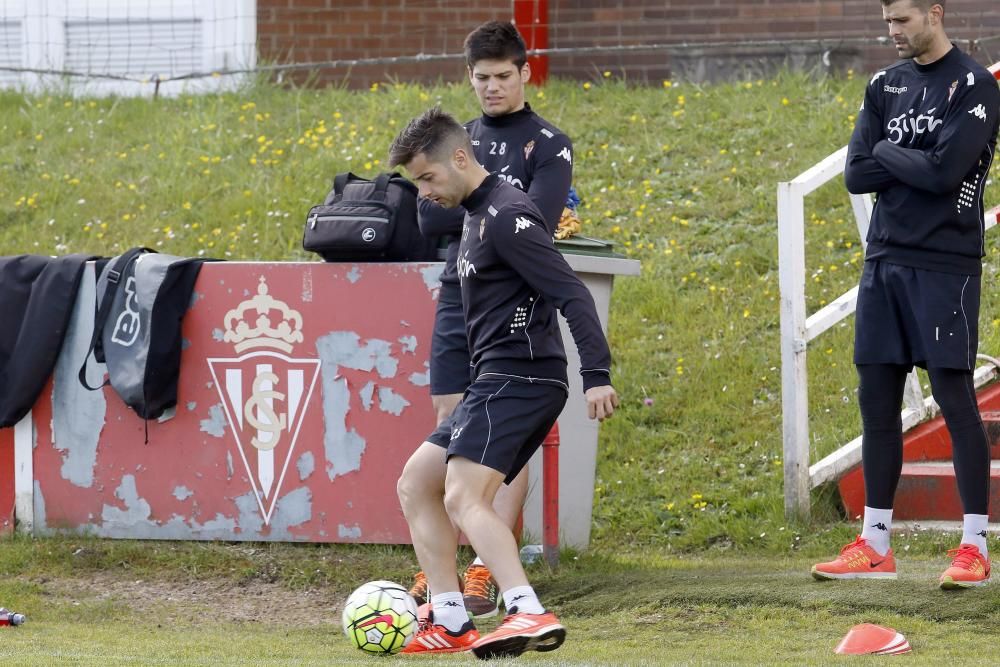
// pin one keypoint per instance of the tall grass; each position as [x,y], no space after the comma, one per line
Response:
[681,177]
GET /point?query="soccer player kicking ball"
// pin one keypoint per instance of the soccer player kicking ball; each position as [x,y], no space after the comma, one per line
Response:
[512,282]
[923,141]
[510,140]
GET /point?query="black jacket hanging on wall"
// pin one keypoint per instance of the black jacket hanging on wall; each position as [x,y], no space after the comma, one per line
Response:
[37,294]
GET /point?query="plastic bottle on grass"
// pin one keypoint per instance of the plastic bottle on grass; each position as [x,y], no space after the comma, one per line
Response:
[10,618]
[530,553]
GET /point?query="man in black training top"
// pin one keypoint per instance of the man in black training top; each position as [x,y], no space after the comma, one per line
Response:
[516,144]
[923,141]
[512,281]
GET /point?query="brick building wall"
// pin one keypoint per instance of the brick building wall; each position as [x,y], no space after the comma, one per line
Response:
[321,30]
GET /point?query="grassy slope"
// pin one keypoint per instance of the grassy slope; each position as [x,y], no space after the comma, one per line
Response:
[683,177]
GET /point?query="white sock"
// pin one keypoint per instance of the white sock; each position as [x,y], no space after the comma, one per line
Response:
[522,598]
[478,561]
[449,610]
[974,530]
[876,529]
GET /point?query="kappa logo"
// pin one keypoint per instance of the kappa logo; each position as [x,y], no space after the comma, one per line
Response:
[879,525]
[566,154]
[522,224]
[895,90]
[264,393]
[979,112]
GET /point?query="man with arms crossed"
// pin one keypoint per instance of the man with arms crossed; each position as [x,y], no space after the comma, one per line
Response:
[512,281]
[509,140]
[924,141]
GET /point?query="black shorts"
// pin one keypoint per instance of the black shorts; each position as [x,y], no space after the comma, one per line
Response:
[501,422]
[910,317]
[451,365]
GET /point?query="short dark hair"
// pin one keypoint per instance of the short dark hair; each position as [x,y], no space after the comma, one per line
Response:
[922,5]
[433,133]
[495,40]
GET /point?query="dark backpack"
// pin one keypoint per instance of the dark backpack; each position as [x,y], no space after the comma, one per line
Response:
[368,221]
[142,296]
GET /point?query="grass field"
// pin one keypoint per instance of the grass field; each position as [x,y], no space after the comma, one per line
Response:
[98,603]
[682,177]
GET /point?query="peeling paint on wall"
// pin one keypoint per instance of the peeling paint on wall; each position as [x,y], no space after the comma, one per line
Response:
[307,286]
[39,509]
[354,275]
[182,493]
[292,509]
[344,348]
[367,392]
[342,448]
[420,379]
[349,532]
[78,414]
[305,465]
[409,344]
[432,276]
[136,510]
[391,402]
[215,425]
[218,334]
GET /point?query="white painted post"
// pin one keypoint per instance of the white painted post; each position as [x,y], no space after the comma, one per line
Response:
[794,393]
[24,474]
[863,207]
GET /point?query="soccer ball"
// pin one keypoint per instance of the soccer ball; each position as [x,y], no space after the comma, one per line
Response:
[380,617]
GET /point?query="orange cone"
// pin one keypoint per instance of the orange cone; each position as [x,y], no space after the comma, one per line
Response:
[870,639]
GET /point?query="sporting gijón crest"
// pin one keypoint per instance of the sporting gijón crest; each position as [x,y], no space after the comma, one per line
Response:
[264,392]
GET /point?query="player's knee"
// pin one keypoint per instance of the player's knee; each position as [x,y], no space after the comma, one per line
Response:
[460,503]
[411,489]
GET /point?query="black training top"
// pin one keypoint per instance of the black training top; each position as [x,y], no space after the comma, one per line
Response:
[512,280]
[523,149]
[924,141]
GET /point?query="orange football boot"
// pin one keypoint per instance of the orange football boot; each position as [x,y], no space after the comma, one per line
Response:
[857,560]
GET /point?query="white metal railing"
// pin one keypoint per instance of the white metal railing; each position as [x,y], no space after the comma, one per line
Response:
[798,329]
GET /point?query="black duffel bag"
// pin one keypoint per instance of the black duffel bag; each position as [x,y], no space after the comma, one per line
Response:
[368,221]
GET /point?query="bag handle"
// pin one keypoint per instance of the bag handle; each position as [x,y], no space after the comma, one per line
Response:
[340,181]
[115,273]
[382,184]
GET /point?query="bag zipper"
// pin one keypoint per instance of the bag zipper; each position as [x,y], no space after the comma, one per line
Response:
[316,217]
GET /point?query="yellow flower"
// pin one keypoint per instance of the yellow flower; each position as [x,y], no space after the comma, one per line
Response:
[784,101]
[186,206]
[586,85]
[667,84]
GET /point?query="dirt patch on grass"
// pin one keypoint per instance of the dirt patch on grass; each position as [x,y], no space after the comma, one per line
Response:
[218,600]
